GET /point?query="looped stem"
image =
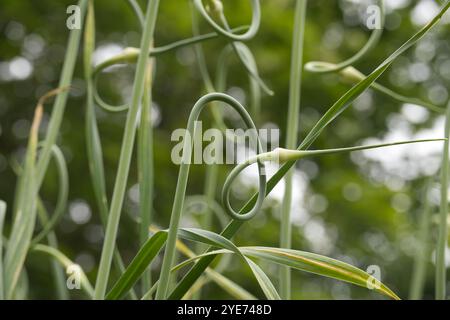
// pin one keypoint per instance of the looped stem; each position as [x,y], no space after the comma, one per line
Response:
[183,176]
[104,105]
[250,33]
[324,67]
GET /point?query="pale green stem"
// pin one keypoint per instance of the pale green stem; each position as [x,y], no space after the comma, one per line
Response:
[291,138]
[93,142]
[442,240]
[58,271]
[145,167]
[125,153]
[60,101]
[65,262]
[183,174]
[325,67]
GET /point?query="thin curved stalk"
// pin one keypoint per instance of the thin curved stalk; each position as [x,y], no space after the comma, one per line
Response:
[61,204]
[281,155]
[49,224]
[442,237]
[66,262]
[222,73]
[25,218]
[125,153]
[134,5]
[53,127]
[131,54]
[169,253]
[216,9]
[295,85]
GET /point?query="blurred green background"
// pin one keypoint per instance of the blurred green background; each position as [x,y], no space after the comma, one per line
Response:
[362,208]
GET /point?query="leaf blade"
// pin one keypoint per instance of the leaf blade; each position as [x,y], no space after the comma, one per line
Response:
[138,265]
[318,264]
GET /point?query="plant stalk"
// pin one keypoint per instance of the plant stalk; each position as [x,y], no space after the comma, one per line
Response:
[291,138]
[126,153]
[442,239]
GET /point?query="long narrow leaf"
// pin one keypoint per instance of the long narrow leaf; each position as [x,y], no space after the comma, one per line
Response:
[318,264]
[139,264]
[214,239]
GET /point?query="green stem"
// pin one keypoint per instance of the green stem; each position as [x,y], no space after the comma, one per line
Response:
[324,67]
[249,34]
[145,167]
[423,251]
[291,138]
[353,75]
[93,142]
[125,153]
[65,262]
[60,102]
[58,271]
[442,240]
[134,5]
[183,175]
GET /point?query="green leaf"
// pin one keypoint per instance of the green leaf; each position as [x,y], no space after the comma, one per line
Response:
[225,283]
[214,239]
[229,286]
[25,217]
[210,238]
[140,262]
[264,281]
[318,264]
